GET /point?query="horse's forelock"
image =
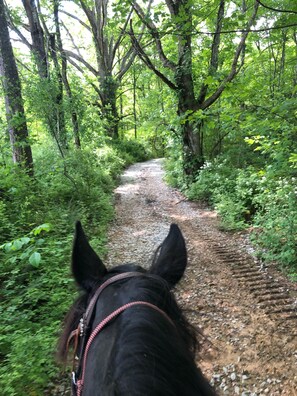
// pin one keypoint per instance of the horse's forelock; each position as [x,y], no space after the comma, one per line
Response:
[71,322]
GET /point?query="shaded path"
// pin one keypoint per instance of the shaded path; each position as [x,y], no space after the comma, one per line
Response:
[248,351]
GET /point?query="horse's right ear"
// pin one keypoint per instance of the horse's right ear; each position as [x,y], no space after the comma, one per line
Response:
[171,259]
[87,268]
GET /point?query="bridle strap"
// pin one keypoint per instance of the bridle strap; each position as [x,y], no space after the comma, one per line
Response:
[115,278]
[81,330]
[84,324]
[78,376]
[73,338]
[102,324]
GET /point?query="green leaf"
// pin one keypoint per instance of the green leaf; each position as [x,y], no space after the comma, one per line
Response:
[35,259]
[209,80]
[17,244]
[43,227]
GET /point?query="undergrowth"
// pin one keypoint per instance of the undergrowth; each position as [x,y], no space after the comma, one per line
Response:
[261,200]
[36,229]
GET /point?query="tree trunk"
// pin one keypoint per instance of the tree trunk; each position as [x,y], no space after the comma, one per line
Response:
[107,46]
[37,36]
[15,113]
[58,116]
[108,88]
[187,105]
[74,117]
[134,104]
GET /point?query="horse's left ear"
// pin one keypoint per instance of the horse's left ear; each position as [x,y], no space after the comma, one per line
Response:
[171,261]
[87,268]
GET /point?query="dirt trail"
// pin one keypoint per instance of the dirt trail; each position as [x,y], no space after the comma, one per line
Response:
[248,313]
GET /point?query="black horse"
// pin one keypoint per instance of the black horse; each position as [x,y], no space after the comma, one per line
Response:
[130,336]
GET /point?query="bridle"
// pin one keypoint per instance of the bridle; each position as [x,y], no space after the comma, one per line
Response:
[78,375]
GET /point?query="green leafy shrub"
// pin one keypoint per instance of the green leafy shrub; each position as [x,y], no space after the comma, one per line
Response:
[34,291]
[131,151]
[249,197]
[174,174]
[276,221]
[36,222]
[213,179]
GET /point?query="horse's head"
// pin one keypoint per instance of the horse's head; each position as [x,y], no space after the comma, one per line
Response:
[134,338]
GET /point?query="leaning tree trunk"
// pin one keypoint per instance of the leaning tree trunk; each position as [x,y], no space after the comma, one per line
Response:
[15,113]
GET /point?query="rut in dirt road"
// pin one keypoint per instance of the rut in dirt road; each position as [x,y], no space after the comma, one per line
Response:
[247,312]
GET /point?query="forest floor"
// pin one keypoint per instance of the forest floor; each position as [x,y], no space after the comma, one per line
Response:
[246,311]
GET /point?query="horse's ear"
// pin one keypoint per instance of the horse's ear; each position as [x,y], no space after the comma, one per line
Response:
[171,259]
[87,268]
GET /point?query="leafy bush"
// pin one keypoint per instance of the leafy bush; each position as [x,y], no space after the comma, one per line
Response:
[249,197]
[131,151]
[276,221]
[213,180]
[174,168]
[36,224]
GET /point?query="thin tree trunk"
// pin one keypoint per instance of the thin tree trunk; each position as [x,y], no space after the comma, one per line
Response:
[74,117]
[134,104]
[59,116]
[110,114]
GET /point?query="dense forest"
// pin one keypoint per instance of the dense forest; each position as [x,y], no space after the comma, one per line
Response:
[91,86]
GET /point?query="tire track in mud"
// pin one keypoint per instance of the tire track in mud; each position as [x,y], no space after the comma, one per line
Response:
[246,311]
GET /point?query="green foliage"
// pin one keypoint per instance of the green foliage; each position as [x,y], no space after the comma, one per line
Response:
[174,167]
[131,150]
[257,199]
[276,220]
[218,184]
[36,221]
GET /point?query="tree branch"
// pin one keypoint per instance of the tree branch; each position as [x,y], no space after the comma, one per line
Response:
[77,19]
[275,9]
[71,39]
[234,69]
[71,54]
[123,31]
[16,30]
[214,60]
[126,63]
[155,34]
[143,56]
[171,7]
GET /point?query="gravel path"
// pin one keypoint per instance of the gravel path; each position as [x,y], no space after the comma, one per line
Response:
[246,351]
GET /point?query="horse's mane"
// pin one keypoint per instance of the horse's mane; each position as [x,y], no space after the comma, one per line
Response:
[152,354]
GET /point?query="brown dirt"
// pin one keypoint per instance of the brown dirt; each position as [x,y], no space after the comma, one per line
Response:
[247,311]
